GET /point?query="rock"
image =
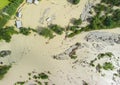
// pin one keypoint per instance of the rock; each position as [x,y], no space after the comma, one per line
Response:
[109,38]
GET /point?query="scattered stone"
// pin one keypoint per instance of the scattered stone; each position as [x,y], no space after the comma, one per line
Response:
[106,37]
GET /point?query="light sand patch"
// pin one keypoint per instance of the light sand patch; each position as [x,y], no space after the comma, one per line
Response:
[31,53]
[59,11]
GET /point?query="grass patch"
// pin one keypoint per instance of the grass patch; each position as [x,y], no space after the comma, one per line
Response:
[3,3]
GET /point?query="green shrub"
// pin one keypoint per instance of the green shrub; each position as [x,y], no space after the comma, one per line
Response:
[77,22]
[112,2]
[109,54]
[75,1]
[57,29]
[73,28]
[6,33]
[43,76]
[20,83]
[25,31]
[102,55]
[73,56]
[47,33]
[3,70]
[108,66]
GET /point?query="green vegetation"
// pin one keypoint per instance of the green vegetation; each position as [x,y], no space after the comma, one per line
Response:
[8,11]
[73,28]
[47,33]
[77,21]
[3,70]
[73,56]
[25,31]
[3,3]
[38,78]
[92,62]
[112,2]
[74,33]
[6,33]
[20,83]
[43,76]
[4,53]
[106,17]
[107,54]
[75,1]
[56,28]
[108,66]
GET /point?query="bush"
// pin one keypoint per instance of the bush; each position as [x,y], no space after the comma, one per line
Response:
[77,22]
[6,33]
[47,33]
[20,83]
[75,1]
[73,28]
[112,2]
[73,56]
[3,70]
[108,66]
[57,29]
[25,31]
[107,54]
[43,76]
